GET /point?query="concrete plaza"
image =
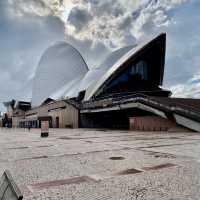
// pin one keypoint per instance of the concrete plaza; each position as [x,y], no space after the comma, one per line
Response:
[102,164]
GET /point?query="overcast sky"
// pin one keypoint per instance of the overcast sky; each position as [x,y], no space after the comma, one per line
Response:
[95,28]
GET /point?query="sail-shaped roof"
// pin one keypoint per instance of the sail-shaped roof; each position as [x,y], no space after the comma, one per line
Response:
[132,54]
[60,65]
[63,73]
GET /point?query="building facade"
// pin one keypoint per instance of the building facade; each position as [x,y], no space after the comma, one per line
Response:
[60,114]
[125,86]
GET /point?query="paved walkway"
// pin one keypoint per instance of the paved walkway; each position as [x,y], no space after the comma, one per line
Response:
[102,165]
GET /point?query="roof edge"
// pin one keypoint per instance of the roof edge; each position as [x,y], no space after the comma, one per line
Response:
[130,55]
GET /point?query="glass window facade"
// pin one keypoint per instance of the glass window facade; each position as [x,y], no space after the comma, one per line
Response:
[136,72]
[139,69]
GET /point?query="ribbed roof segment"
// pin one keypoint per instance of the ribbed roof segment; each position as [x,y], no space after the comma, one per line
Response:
[60,65]
[63,73]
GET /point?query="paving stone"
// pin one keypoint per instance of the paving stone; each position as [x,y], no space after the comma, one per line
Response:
[155,165]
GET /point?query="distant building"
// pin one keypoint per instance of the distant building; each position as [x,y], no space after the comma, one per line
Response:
[15,111]
[123,92]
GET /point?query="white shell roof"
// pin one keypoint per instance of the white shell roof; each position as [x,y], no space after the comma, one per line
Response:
[94,74]
[92,89]
[60,65]
[71,89]
[62,72]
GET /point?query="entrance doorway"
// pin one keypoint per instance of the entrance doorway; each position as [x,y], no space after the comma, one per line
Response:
[57,122]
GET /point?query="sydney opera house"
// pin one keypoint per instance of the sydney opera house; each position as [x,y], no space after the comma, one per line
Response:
[124,92]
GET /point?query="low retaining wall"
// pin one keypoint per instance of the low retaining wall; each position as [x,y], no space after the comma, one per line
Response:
[150,123]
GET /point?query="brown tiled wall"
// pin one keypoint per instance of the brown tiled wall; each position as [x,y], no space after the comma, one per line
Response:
[150,123]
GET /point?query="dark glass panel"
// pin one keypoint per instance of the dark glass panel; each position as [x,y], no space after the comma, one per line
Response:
[133,78]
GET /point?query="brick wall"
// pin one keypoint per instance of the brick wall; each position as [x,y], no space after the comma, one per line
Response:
[150,123]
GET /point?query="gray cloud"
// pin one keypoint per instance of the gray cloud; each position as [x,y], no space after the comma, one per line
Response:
[190,89]
[183,44]
[110,7]
[79,18]
[118,23]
